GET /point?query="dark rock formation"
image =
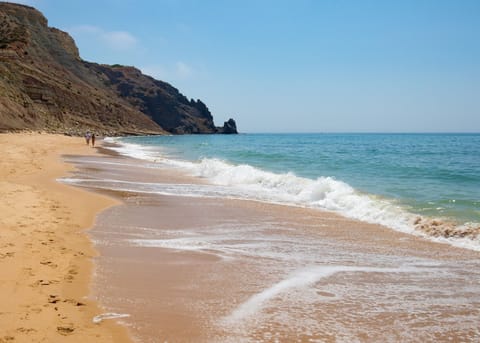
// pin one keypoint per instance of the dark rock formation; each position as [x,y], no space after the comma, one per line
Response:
[229,127]
[45,85]
[157,99]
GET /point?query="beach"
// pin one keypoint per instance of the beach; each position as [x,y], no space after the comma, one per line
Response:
[169,174]
[45,256]
[186,263]
[175,260]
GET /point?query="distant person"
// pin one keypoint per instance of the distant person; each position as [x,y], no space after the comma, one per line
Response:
[88,135]
[93,139]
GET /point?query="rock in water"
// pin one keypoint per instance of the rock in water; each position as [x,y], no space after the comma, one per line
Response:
[229,127]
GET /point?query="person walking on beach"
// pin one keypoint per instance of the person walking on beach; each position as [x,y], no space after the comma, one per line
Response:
[93,140]
[87,137]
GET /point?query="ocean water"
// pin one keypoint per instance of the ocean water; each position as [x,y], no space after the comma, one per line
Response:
[193,266]
[425,184]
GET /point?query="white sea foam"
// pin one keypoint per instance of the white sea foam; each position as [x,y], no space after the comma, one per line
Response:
[229,242]
[187,243]
[247,182]
[134,150]
[324,193]
[301,278]
[110,315]
[188,190]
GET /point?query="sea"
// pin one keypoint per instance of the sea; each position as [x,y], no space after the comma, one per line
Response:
[422,184]
[288,237]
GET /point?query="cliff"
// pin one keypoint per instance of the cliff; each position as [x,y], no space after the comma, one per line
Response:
[45,85]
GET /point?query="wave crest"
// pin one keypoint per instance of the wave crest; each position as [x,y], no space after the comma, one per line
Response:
[326,193]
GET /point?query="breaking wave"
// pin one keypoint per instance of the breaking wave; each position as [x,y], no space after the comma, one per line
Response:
[325,193]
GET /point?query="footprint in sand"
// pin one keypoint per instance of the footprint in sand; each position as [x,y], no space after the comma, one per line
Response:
[7,254]
[43,283]
[65,329]
[74,302]
[7,245]
[49,263]
[50,241]
[71,274]
[53,299]
[26,330]
[29,271]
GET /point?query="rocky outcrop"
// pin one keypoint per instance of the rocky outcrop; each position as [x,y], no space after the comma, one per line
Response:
[44,84]
[229,127]
[160,101]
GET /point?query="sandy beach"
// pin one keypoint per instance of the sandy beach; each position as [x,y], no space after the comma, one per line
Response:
[45,255]
[209,172]
[206,269]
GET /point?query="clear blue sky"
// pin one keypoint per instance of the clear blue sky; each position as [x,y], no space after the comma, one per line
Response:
[299,65]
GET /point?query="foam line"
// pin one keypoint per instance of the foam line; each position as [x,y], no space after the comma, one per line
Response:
[299,279]
[110,315]
[247,182]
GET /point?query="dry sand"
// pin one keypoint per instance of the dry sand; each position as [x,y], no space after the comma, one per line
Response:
[45,255]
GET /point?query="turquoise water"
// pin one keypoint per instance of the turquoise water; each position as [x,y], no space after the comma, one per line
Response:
[280,267]
[436,175]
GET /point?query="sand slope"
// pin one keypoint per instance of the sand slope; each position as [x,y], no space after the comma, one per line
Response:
[45,257]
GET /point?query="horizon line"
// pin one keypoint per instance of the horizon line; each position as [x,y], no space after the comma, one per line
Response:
[365,132]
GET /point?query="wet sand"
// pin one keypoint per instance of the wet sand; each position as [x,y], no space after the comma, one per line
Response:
[45,256]
[191,269]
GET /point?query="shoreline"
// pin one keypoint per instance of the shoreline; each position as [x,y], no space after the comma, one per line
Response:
[265,181]
[283,271]
[46,264]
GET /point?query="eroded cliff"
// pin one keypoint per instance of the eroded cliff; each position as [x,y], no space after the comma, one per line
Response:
[45,85]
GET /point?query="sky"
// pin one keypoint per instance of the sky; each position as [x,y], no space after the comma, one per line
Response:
[298,65]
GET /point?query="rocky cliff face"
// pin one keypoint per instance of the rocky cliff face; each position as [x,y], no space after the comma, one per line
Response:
[44,84]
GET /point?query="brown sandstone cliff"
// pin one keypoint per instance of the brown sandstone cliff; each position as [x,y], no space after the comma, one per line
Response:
[45,85]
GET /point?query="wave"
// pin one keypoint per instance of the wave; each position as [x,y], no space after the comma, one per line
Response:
[325,193]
